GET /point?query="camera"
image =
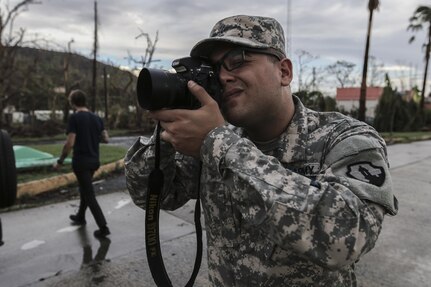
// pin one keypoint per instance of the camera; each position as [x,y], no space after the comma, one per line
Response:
[161,89]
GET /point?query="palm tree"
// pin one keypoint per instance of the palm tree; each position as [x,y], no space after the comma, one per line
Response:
[420,18]
[372,5]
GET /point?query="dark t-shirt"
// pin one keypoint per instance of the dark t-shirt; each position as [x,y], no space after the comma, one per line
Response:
[88,128]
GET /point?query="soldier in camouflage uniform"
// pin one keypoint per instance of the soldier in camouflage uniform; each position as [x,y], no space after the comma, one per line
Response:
[291,197]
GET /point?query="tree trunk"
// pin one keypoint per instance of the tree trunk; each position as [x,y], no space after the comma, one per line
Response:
[94,88]
[106,92]
[427,58]
[363,96]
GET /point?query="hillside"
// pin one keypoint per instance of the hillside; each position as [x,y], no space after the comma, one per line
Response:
[38,81]
[44,74]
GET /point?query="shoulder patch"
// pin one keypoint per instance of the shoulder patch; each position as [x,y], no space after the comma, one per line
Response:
[367,172]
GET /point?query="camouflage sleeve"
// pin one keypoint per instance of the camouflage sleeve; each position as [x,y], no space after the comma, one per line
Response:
[180,173]
[323,220]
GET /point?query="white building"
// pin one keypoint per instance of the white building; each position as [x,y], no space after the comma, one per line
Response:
[348,99]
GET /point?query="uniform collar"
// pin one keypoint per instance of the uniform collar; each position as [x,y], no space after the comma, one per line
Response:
[291,144]
[294,140]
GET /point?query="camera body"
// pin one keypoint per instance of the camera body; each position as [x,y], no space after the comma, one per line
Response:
[160,89]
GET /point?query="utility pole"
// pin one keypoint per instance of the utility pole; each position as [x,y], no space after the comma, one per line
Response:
[66,63]
[105,84]
[94,87]
[289,29]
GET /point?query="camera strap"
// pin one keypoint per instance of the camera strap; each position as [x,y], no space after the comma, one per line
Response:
[152,212]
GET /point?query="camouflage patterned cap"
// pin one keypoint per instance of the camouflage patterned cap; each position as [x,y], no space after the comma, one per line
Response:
[249,31]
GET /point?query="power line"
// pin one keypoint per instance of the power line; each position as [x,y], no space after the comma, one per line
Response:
[289,29]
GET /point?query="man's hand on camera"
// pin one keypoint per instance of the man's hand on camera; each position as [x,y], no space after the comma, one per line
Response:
[187,129]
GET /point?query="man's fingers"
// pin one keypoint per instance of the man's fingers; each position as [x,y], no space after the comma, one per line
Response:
[174,114]
[166,136]
[199,92]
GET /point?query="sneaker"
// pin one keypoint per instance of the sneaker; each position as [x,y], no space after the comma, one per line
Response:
[76,220]
[102,232]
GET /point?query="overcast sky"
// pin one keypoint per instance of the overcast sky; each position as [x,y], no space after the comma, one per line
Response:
[331,29]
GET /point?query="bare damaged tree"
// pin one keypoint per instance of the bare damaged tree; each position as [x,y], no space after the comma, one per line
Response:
[376,72]
[10,41]
[145,61]
[304,58]
[342,71]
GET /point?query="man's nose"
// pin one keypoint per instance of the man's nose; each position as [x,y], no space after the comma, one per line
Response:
[225,76]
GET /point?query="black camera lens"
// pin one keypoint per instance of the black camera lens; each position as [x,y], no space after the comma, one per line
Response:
[159,89]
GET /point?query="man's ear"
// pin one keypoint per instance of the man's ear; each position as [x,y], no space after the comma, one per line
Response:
[286,72]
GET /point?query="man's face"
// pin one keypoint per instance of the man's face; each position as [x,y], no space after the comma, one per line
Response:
[252,88]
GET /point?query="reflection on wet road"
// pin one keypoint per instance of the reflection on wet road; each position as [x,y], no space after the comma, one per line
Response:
[40,243]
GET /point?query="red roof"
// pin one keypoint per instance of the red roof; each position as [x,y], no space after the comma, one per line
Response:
[352,94]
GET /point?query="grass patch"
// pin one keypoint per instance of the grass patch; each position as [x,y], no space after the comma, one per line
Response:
[16,139]
[405,137]
[108,154]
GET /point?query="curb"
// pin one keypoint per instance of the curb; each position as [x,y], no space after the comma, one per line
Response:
[35,187]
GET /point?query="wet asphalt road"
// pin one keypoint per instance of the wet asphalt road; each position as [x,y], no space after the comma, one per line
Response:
[42,249]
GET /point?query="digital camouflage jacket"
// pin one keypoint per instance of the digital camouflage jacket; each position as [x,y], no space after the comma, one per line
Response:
[298,211]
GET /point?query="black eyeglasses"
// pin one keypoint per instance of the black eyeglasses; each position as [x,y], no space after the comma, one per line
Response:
[237,57]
